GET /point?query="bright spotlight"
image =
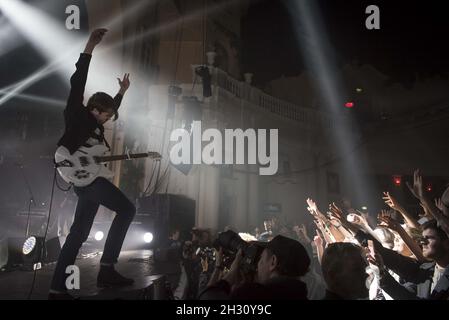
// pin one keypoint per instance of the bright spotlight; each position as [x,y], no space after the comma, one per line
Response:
[29,245]
[99,235]
[148,237]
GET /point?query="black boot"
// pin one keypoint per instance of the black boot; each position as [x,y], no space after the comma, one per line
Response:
[108,277]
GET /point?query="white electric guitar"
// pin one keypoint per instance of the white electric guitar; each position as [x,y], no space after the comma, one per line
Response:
[88,163]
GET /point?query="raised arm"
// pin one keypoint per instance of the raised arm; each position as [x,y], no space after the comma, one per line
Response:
[79,78]
[95,38]
[418,192]
[124,85]
[388,283]
[407,268]
[395,205]
[410,243]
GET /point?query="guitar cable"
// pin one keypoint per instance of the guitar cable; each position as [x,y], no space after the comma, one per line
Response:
[41,254]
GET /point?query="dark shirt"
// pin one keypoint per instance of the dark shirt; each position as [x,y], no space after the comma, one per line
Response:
[279,288]
[80,124]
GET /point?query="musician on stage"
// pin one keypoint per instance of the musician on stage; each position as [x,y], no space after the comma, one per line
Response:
[84,127]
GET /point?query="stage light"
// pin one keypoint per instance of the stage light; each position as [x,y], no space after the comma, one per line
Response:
[429,188]
[397,180]
[29,245]
[358,90]
[99,235]
[60,48]
[364,208]
[148,237]
[322,61]
[32,250]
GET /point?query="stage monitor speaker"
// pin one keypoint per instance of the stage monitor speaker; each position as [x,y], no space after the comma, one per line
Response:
[168,211]
[15,254]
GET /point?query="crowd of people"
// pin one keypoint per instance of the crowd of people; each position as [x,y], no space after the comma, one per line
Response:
[350,256]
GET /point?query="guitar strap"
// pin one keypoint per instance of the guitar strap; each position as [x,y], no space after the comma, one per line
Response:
[104,139]
[106,143]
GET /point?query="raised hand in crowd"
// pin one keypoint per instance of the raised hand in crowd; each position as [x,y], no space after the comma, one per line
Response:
[326,234]
[395,205]
[417,188]
[425,213]
[313,209]
[301,233]
[387,221]
[439,204]
[319,244]
[429,205]
[331,230]
[361,220]
[337,213]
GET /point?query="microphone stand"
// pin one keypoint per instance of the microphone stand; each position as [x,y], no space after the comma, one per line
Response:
[30,201]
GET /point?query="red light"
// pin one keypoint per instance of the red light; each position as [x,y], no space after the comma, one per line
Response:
[349,104]
[397,180]
[429,188]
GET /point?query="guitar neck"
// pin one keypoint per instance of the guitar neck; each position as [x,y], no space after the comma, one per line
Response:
[121,157]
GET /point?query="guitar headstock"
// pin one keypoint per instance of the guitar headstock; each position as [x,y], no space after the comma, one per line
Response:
[154,155]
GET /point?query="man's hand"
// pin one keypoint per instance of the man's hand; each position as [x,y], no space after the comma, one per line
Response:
[387,221]
[417,189]
[318,240]
[311,204]
[439,204]
[301,232]
[95,38]
[314,211]
[359,220]
[337,214]
[391,201]
[124,83]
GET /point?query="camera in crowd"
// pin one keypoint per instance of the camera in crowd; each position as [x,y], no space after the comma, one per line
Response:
[206,253]
[231,242]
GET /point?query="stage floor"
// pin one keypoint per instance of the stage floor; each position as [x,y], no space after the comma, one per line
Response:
[135,264]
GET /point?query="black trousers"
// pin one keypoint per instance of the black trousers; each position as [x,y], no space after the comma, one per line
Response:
[100,192]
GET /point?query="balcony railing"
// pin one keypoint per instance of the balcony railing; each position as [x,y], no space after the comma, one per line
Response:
[257,97]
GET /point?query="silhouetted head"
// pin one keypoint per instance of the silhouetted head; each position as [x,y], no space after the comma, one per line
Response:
[344,270]
[103,107]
